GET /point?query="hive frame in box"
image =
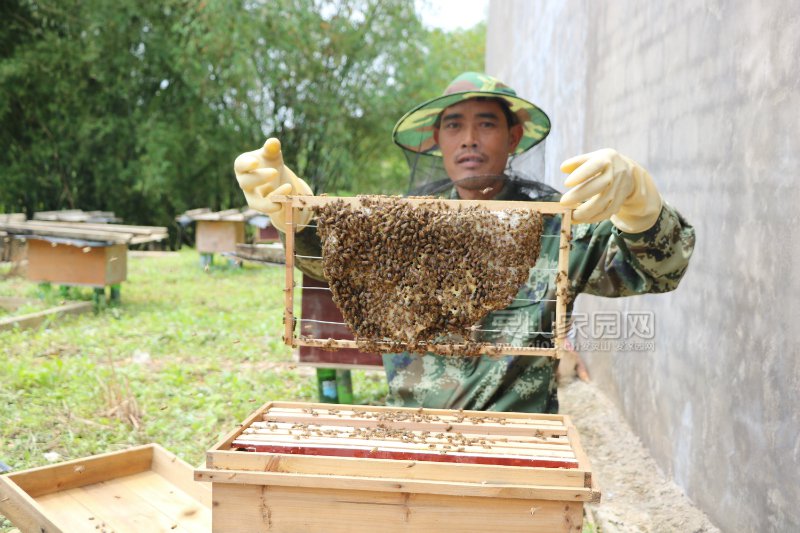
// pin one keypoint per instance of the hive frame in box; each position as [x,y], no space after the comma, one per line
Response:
[560,327]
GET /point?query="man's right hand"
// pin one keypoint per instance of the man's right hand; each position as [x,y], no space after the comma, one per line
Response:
[262,176]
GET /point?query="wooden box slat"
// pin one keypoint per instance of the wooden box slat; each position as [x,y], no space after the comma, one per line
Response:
[291,509]
[394,468]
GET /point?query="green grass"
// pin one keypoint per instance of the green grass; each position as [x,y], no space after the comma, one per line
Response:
[187,356]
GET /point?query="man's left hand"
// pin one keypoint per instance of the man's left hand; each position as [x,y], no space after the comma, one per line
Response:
[606,184]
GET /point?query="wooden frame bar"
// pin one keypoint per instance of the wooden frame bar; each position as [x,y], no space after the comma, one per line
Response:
[288,316]
[561,279]
[562,282]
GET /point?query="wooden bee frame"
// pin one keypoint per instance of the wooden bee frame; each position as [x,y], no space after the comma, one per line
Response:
[560,327]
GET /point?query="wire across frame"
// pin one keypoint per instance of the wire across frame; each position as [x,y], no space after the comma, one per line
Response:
[291,203]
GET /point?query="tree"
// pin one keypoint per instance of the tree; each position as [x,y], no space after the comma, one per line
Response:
[141,108]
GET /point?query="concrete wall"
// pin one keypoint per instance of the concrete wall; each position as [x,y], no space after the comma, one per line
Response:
[706,95]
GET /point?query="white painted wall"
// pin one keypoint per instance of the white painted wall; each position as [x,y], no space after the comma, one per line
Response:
[706,95]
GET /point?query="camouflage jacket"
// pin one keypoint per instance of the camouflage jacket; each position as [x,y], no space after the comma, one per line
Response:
[603,261]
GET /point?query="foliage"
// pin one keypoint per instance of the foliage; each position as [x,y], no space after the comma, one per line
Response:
[140,107]
[111,105]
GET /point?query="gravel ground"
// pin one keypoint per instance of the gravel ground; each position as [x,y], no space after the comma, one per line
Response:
[636,495]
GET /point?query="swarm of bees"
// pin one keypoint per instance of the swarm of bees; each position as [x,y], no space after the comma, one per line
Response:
[421,276]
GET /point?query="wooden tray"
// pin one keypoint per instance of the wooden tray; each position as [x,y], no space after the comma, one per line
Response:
[140,489]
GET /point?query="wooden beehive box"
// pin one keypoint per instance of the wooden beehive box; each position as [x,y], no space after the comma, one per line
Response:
[140,489]
[217,231]
[95,266]
[316,467]
[217,236]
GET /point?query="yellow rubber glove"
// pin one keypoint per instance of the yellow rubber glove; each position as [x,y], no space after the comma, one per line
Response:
[606,184]
[262,176]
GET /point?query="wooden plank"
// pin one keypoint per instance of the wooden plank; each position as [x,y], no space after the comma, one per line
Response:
[75,215]
[433,426]
[442,414]
[235,505]
[394,468]
[227,215]
[412,454]
[114,504]
[37,482]
[225,442]
[450,488]
[70,513]
[289,430]
[584,463]
[262,253]
[386,347]
[23,511]
[148,238]
[476,442]
[117,228]
[53,230]
[180,473]
[288,311]
[546,208]
[353,511]
[12,217]
[172,507]
[32,320]
[562,284]
[491,451]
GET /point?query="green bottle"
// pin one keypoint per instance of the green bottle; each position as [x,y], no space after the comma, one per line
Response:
[326,385]
[344,386]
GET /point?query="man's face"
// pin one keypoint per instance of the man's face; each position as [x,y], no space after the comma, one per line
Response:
[475,140]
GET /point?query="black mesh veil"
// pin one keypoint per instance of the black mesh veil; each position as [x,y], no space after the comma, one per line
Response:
[429,178]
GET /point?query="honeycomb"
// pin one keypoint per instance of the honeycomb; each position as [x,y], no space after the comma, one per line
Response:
[420,277]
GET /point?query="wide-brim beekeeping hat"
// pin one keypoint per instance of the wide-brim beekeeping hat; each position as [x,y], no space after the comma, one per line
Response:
[414,131]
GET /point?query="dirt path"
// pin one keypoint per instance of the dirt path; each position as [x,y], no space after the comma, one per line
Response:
[637,497]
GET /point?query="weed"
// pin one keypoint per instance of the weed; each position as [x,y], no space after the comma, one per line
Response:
[187,356]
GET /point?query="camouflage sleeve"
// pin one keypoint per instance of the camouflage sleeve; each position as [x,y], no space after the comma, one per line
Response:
[607,262]
[308,252]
